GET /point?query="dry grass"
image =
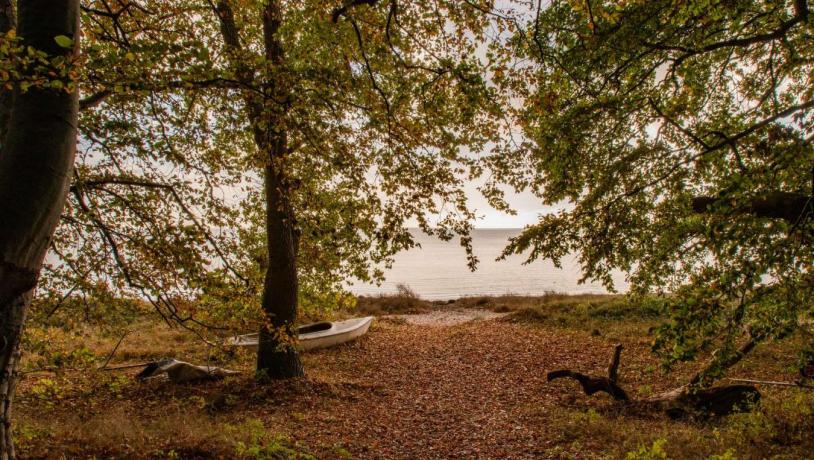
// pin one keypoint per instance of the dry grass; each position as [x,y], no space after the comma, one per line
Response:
[405,301]
[475,390]
[506,303]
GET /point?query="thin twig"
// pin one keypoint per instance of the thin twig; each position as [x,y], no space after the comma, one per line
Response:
[110,356]
[126,366]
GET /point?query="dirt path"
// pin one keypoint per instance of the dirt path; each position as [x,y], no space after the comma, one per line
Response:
[449,316]
[473,390]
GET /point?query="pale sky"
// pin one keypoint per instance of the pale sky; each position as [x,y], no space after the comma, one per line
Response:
[528,208]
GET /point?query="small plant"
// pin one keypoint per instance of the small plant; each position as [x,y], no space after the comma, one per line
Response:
[342,452]
[590,416]
[262,445]
[117,384]
[47,390]
[405,290]
[654,452]
[646,390]
[25,434]
[728,455]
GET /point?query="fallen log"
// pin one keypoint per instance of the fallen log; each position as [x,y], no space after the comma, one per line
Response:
[714,401]
[680,402]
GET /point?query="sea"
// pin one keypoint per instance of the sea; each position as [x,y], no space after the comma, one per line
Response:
[437,270]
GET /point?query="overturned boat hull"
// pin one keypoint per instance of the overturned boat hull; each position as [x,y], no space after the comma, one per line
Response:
[317,335]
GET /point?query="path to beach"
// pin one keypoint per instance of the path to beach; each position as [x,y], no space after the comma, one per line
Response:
[462,389]
[449,316]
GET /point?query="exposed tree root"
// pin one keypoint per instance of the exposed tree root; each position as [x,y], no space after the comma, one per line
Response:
[591,385]
[680,402]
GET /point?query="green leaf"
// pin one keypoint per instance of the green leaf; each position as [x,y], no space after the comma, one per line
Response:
[64,41]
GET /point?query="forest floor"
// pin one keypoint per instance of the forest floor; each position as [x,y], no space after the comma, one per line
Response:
[414,389]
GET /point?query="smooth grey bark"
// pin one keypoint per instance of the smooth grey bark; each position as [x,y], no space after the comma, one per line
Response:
[35,163]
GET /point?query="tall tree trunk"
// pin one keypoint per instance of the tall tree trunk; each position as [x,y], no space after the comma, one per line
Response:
[35,164]
[277,355]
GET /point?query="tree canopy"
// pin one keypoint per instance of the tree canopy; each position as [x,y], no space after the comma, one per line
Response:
[680,133]
[676,135]
[384,106]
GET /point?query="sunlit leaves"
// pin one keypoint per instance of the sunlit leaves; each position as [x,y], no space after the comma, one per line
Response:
[24,67]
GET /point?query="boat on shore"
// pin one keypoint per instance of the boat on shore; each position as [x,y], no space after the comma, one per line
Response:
[323,334]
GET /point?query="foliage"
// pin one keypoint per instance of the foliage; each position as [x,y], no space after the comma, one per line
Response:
[405,300]
[680,134]
[654,452]
[261,445]
[24,67]
[383,107]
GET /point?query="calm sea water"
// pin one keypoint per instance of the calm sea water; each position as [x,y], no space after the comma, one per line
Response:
[438,270]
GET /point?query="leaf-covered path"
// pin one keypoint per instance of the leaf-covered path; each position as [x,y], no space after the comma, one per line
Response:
[475,390]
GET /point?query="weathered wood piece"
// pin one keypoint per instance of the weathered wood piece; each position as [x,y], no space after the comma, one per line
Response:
[680,402]
[590,384]
[715,401]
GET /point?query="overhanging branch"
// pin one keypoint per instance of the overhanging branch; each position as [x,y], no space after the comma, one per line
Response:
[791,207]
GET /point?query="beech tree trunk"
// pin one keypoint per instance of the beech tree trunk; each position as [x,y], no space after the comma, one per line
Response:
[277,355]
[35,165]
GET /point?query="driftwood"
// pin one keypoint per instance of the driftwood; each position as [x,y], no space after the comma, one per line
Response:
[591,385]
[677,403]
[688,401]
[182,372]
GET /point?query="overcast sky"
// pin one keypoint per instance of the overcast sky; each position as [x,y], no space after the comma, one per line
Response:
[528,209]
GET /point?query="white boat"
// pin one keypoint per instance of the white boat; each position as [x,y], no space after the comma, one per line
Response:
[316,335]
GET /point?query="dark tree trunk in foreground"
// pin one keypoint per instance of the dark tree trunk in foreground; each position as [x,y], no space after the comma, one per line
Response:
[35,164]
[277,356]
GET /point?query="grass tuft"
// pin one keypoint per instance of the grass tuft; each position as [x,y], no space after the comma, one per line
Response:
[405,301]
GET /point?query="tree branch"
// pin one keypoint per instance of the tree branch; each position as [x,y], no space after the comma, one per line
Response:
[342,10]
[801,13]
[93,100]
[791,207]
[176,197]
[590,384]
